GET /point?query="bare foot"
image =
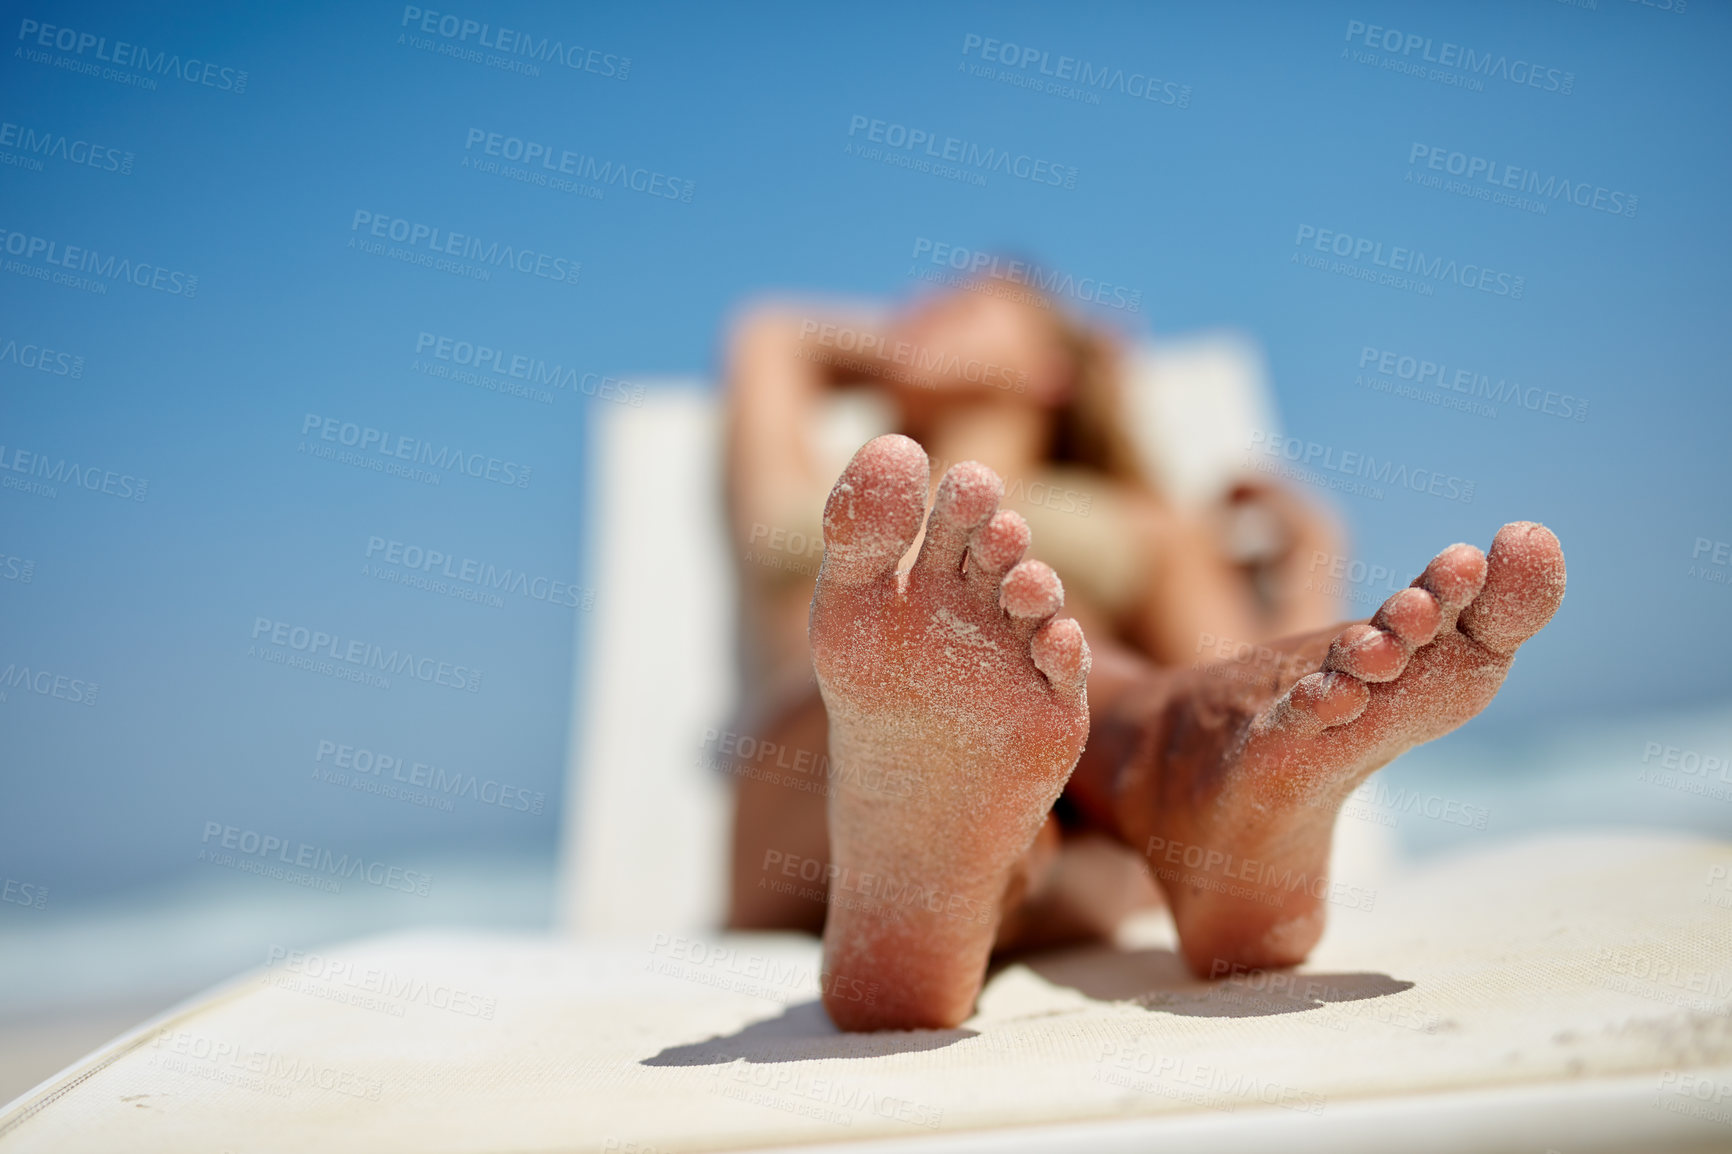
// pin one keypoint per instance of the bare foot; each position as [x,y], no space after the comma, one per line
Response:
[954,673]
[1235,814]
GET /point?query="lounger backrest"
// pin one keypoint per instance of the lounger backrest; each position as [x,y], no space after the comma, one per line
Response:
[645,823]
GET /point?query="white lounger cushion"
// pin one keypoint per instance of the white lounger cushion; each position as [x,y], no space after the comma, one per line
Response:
[1570,993]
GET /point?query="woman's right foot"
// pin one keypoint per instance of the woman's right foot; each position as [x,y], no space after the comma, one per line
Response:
[957,675]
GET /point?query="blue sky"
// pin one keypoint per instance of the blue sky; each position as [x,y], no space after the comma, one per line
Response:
[1275,127]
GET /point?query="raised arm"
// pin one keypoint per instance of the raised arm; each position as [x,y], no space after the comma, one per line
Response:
[780,362]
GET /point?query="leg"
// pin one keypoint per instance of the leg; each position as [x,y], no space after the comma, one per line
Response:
[779,818]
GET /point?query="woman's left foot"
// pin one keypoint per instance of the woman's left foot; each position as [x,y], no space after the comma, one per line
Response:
[1234,798]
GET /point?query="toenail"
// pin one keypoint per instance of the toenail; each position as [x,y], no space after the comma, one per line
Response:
[1412,616]
[1356,639]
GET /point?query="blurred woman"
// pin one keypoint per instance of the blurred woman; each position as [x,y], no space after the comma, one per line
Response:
[996,374]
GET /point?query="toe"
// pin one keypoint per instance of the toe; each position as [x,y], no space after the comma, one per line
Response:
[1322,700]
[1379,651]
[1060,651]
[1031,593]
[967,498]
[1454,577]
[1412,615]
[994,548]
[874,511]
[1524,583]
[1368,653]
